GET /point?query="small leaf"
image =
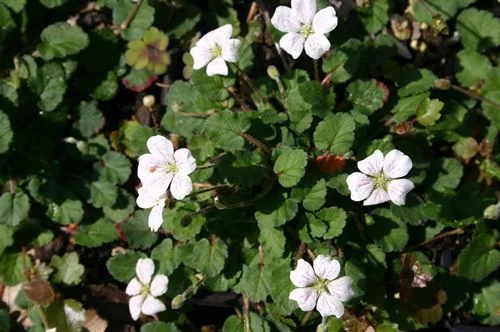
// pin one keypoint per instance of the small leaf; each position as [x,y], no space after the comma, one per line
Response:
[68,212]
[11,268]
[366,96]
[478,29]
[273,243]
[114,168]
[429,111]
[473,68]
[103,193]
[60,40]
[335,218]
[91,119]
[159,327]
[65,315]
[14,208]
[335,133]
[5,132]
[375,15]
[208,257]
[290,167]
[165,254]
[311,196]
[68,268]
[466,148]
[6,238]
[96,234]
[224,129]
[255,282]
[140,22]
[275,210]
[416,81]
[122,266]
[137,231]
[479,259]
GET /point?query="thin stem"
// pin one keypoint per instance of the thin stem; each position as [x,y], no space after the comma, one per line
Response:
[203,115]
[456,231]
[316,70]
[249,81]
[474,95]
[306,319]
[130,17]
[255,142]
[206,166]
[209,189]
[246,315]
[42,316]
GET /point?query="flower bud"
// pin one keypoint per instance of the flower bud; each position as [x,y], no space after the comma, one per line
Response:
[148,101]
[178,301]
[369,220]
[273,72]
[492,212]
[442,84]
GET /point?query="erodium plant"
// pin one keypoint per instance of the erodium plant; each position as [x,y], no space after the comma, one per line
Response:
[303,165]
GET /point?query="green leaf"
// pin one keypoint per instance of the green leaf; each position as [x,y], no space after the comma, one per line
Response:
[450,176]
[473,68]
[165,254]
[5,132]
[466,148]
[53,3]
[184,221]
[11,268]
[159,327]
[299,111]
[375,15]
[141,21]
[114,168]
[275,210]
[366,96]
[425,11]
[242,167]
[91,120]
[335,218]
[236,324]
[135,137]
[94,235]
[407,107]
[225,128]
[335,133]
[389,233]
[122,266]
[479,259]
[290,167]
[478,29]
[208,257]
[6,239]
[4,320]
[273,243]
[68,268]
[15,5]
[416,81]
[60,40]
[124,207]
[255,282]
[14,208]
[311,196]
[321,100]
[183,21]
[103,193]
[65,315]
[486,304]
[282,286]
[50,85]
[68,212]
[345,61]
[137,231]
[429,111]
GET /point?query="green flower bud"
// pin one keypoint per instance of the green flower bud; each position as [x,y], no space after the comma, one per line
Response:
[492,212]
[148,101]
[273,73]
[178,301]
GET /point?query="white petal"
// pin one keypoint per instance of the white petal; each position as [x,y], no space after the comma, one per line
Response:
[303,275]
[220,34]
[293,44]
[325,20]
[329,305]
[155,219]
[359,185]
[397,164]
[201,56]
[284,20]
[152,306]
[159,285]
[135,305]
[134,287]
[157,183]
[148,166]
[230,50]
[326,268]
[372,165]
[185,161]
[341,288]
[377,196]
[304,10]
[144,269]
[145,200]
[181,186]
[316,45]
[161,147]
[398,189]
[305,297]
[217,67]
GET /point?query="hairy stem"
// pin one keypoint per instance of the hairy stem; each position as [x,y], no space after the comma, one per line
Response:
[255,142]
[131,15]
[475,95]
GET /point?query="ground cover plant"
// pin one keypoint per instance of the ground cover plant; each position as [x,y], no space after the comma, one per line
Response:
[230,165]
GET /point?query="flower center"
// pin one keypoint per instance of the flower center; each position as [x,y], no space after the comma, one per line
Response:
[321,286]
[145,290]
[216,51]
[381,181]
[306,30]
[171,168]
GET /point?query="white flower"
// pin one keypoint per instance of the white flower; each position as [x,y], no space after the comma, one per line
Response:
[144,289]
[304,28]
[320,288]
[156,204]
[162,168]
[379,181]
[214,49]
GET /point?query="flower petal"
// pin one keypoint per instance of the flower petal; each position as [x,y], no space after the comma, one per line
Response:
[144,269]
[145,200]
[305,298]
[185,161]
[397,164]
[316,45]
[230,50]
[398,189]
[155,219]
[220,34]
[293,44]
[134,287]
[201,56]
[304,10]
[372,165]
[326,268]
[152,306]
[135,305]
[181,186]
[161,147]
[377,196]
[359,185]
[148,165]
[325,20]
[329,305]
[157,183]
[284,20]
[159,285]
[303,275]
[217,67]
[342,288]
